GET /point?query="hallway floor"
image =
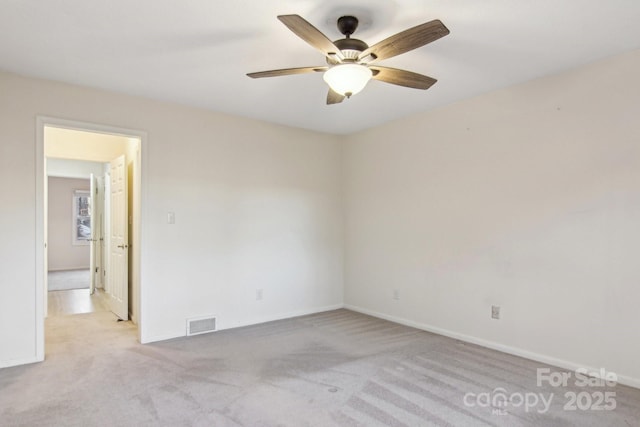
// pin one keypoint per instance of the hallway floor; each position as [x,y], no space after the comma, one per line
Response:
[76,301]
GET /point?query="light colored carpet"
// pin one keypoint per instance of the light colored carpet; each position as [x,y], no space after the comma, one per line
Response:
[338,368]
[68,279]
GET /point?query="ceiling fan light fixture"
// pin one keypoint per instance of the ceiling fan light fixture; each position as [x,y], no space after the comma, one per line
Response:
[347,79]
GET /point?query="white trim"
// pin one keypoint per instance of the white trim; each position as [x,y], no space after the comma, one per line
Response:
[289,315]
[17,362]
[254,322]
[40,174]
[40,242]
[51,270]
[560,363]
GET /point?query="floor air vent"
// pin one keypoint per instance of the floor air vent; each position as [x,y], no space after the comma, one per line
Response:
[201,325]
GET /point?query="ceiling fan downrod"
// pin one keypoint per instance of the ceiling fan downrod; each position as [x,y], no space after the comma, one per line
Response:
[347,25]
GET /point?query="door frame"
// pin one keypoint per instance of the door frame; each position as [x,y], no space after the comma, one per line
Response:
[138,239]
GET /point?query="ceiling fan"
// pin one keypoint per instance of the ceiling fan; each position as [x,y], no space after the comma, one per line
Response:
[351,62]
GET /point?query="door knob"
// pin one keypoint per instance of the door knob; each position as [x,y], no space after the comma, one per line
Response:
[122,246]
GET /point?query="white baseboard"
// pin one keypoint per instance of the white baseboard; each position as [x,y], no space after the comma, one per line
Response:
[17,362]
[560,363]
[289,315]
[68,269]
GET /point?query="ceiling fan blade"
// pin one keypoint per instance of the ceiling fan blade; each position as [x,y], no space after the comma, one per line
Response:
[311,35]
[405,41]
[334,97]
[402,77]
[286,72]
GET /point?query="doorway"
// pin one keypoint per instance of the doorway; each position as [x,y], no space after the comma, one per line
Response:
[75,236]
[59,141]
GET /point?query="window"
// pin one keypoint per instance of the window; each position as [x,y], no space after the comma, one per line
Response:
[81,217]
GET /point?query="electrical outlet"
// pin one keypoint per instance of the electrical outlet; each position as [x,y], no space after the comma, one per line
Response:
[396,294]
[258,294]
[495,312]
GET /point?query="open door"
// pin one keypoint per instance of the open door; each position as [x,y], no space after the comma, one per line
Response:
[94,235]
[118,269]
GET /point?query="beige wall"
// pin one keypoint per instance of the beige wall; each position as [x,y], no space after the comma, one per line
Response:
[527,198]
[257,206]
[85,146]
[64,168]
[62,253]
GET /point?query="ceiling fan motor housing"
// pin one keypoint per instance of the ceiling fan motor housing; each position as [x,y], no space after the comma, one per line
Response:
[351,44]
[350,48]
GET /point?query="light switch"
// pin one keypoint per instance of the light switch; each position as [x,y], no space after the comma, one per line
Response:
[171,218]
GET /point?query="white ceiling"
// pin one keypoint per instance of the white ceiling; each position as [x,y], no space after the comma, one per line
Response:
[197,52]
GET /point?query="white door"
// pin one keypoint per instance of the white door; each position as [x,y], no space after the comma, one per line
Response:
[118,274]
[94,235]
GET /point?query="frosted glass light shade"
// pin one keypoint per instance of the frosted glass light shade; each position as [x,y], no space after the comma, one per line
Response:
[347,79]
